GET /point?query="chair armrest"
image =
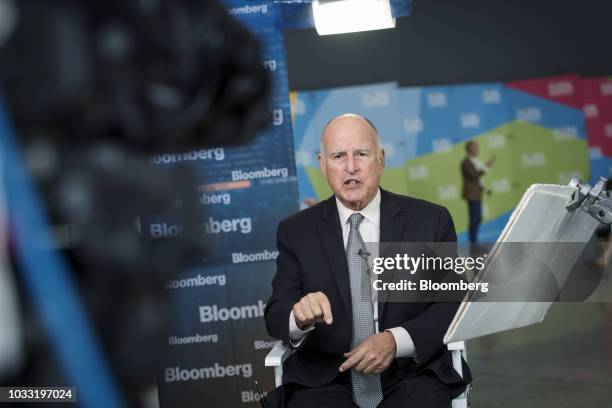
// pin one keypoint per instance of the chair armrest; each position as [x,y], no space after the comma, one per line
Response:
[277,356]
[457,350]
[457,345]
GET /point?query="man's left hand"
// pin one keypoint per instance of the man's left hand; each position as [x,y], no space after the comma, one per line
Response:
[373,356]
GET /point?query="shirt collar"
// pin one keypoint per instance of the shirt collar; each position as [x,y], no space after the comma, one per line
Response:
[371,212]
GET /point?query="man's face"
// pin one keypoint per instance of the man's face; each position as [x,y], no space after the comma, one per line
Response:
[473,149]
[351,161]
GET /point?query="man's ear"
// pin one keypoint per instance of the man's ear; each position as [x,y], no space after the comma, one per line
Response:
[322,164]
[381,157]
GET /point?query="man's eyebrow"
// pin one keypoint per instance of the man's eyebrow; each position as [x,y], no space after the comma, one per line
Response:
[362,149]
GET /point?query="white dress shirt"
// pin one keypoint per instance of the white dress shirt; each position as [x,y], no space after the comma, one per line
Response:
[479,165]
[369,229]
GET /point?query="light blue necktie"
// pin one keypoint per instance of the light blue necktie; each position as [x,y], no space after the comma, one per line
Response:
[367,390]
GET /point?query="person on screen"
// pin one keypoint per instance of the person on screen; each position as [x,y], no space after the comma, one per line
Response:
[472,169]
[350,352]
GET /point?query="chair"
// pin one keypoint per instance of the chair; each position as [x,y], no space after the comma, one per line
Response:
[279,353]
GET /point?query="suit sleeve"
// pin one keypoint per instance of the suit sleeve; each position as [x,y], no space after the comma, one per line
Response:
[286,289]
[427,330]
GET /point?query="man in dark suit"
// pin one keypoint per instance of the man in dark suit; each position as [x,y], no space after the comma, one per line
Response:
[472,169]
[388,354]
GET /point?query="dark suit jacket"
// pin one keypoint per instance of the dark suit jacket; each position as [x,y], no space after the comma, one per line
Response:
[472,191]
[312,258]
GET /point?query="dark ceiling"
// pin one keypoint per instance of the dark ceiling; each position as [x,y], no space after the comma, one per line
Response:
[450,41]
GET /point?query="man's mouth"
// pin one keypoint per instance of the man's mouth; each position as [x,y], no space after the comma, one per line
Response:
[352,182]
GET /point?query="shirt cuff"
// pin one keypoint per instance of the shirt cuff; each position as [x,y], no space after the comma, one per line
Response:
[297,335]
[403,342]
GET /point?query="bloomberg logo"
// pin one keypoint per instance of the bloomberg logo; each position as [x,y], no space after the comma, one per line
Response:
[214,313]
[238,11]
[217,154]
[177,374]
[211,227]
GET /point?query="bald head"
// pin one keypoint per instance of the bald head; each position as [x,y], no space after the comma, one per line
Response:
[350,121]
[351,159]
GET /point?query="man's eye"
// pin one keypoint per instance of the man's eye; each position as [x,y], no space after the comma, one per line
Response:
[336,156]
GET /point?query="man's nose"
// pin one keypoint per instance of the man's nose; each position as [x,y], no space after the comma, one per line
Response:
[351,165]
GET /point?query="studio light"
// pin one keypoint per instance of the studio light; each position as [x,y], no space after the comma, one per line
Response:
[347,16]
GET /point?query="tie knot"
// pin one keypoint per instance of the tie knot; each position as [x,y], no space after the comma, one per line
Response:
[355,220]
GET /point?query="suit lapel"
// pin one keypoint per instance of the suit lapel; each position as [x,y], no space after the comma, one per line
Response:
[330,233]
[391,230]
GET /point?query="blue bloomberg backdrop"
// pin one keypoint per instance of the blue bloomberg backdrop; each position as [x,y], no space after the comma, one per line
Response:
[217,342]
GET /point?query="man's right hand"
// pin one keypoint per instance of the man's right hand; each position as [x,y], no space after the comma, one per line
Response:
[311,309]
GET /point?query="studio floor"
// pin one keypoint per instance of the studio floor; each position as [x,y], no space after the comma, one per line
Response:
[565,361]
